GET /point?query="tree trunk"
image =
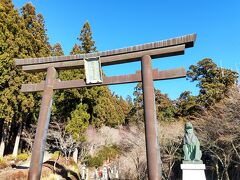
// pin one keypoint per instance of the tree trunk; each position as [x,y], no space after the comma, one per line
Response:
[2,147]
[226,176]
[91,150]
[75,155]
[170,168]
[222,173]
[54,166]
[217,172]
[17,141]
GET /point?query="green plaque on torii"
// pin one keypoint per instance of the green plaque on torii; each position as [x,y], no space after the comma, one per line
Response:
[93,71]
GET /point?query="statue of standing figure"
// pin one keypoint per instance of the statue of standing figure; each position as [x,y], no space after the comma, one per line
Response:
[191,146]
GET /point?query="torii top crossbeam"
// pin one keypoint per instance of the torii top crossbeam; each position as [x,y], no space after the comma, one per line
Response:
[170,47]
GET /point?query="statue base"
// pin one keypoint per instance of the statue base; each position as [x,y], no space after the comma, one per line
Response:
[192,162]
[193,171]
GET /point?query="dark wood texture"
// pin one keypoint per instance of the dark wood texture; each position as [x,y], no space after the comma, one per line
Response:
[131,78]
[110,60]
[187,40]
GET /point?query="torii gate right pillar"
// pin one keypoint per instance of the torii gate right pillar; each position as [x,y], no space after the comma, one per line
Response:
[151,135]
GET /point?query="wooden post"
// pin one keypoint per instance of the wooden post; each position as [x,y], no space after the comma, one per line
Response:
[42,127]
[152,145]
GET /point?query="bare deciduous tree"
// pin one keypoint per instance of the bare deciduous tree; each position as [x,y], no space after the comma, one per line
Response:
[133,145]
[170,138]
[28,136]
[59,139]
[170,154]
[219,131]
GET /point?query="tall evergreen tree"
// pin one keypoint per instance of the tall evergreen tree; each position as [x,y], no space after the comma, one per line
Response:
[76,50]
[66,101]
[14,43]
[187,104]
[78,122]
[87,42]
[35,33]
[213,81]
[102,106]
[26,37]
[164,107]
[35,25]
[57,50]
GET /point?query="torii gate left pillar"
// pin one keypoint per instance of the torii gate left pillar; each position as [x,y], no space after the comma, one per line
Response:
[42,127]
[144,53]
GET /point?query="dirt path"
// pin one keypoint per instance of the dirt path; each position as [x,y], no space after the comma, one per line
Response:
[13,174]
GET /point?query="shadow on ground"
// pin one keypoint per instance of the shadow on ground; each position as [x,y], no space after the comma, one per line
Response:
[61,170]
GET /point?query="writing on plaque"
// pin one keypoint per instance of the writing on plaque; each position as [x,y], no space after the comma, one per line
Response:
[93,70]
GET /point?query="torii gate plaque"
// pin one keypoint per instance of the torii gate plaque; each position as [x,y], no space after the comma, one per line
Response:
[145,53]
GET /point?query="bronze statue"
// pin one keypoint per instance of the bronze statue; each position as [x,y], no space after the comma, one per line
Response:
[191,146]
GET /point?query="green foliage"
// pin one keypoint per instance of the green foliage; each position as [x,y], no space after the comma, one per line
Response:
[136,107]
[15,43]
[34,24]
[213,81]
[57,50]
[76,50]
[105,153]
[164,106]
[87,43]
[66,101]
[21,36]
[22,157]
[3,163]
[78,123]
[107,110]
[109,152]
[93,161]
[56,154]
[186,104]
[9,76]
[101,105]
[138,96]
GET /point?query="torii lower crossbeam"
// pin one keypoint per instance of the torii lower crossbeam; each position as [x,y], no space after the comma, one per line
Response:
[123,79]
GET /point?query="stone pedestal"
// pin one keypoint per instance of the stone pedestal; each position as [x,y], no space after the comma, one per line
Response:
[193,171]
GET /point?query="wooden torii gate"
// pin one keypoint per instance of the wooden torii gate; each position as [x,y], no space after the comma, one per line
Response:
[143,53]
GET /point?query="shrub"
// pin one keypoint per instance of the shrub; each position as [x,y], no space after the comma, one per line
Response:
[108,152]
[22,157]
[105,153]
[9,158]
[93,161]
[55,155]
[3,163]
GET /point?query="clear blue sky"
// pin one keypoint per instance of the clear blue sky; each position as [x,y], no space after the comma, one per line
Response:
[117,24]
